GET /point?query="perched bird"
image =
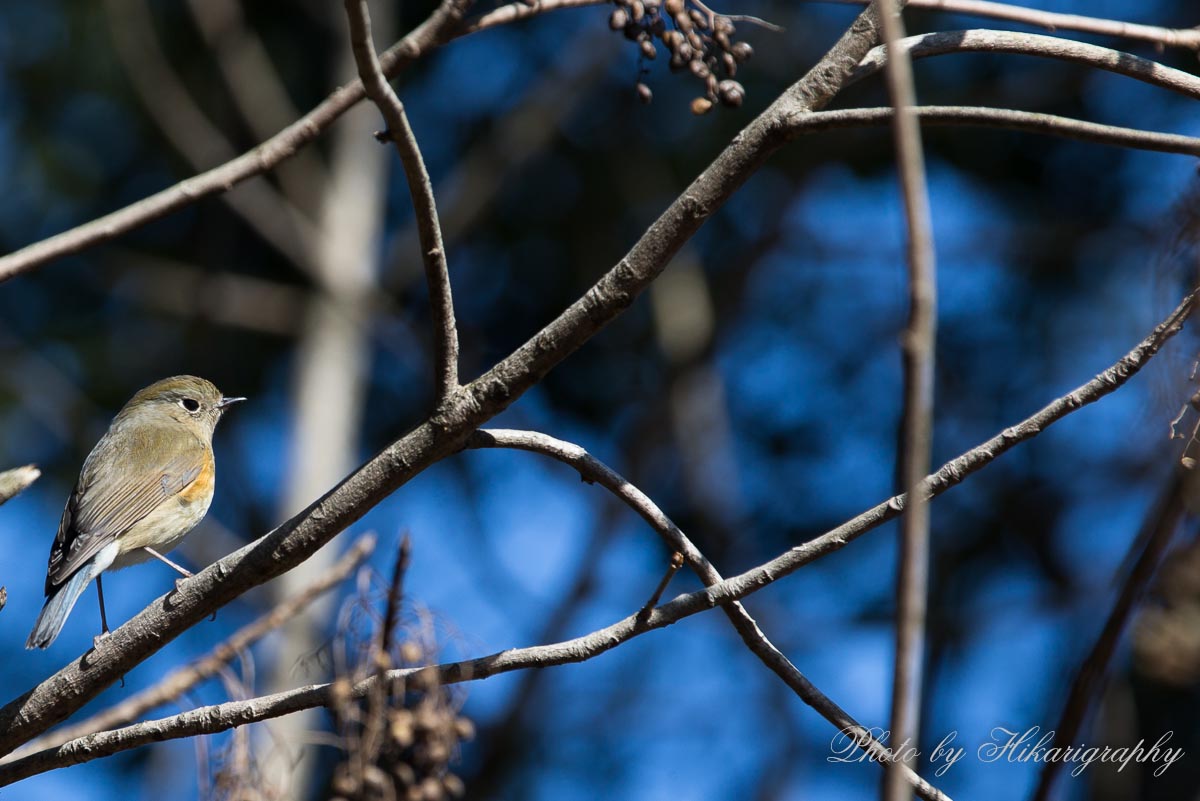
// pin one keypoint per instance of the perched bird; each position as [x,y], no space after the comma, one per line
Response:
[145,485]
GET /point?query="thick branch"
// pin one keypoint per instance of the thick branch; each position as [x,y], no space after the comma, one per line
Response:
[429,229]
[180,680]
[1031,122]
[443,434]
[1036,44]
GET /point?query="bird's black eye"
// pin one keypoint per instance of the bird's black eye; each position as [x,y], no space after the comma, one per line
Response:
[191,404]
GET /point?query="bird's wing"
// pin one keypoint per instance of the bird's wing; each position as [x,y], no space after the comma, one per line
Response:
[126,476]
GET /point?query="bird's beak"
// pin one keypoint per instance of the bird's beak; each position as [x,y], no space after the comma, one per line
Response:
[228,402]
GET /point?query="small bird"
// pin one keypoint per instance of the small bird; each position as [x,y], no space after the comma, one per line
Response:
[145,485]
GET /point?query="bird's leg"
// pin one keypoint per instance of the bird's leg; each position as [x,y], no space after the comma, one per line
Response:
[178,569]
[103,618]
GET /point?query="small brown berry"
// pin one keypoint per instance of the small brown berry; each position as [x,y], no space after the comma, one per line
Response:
[701,106]
[644,93]
[648,50]
[618,19]
[742,52]
[674,7]
[731,93]
[639,10]
[700,69]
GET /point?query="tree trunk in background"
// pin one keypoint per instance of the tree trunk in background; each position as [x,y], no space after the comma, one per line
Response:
[331,368]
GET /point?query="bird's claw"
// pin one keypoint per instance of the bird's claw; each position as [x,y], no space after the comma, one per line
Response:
[99,638]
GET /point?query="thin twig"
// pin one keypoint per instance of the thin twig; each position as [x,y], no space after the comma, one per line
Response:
[673,566]
[1031,122]
[595,471]
[918,348]
[429,229]
[1166,37]
[179,681]
[15,481]
[1036,44]
[395,595]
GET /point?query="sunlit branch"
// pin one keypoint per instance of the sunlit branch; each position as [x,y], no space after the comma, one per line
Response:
[1036,44]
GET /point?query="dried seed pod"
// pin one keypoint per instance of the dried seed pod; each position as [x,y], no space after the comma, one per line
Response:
[742,51]
[722,39]
[698,18]
[648,50]
[618,19]
[731,93]
[700,69]
[638,10]
[724,25]
[674,7]
[644,93]
[678,62]
[730,64]
[701,106]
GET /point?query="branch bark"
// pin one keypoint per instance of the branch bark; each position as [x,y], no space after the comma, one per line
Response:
[179,681]
[15,481]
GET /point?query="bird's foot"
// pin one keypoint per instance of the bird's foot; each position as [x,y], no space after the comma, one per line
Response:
[99,638]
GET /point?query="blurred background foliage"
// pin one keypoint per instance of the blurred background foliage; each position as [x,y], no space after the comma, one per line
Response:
[754,392]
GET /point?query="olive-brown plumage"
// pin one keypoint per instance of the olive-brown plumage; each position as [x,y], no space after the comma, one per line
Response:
[145,485]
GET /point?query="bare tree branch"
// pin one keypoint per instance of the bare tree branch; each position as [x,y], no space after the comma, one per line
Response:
[428,35]
[1167,37]
[210,720]
[1036,44]
[595,471]
[294,541]
[429,229]
[1011,119]
[918,349]
[15,481]
[179,681]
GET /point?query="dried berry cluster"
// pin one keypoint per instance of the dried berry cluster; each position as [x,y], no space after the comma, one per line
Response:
[697,39]
[399,739]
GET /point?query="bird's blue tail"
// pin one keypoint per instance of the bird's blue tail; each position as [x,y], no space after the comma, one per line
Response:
[58,606]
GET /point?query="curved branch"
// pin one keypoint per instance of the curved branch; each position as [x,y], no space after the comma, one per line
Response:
[297,539]
[592,470]
[1036,44]
[1011,119]
[420,188]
